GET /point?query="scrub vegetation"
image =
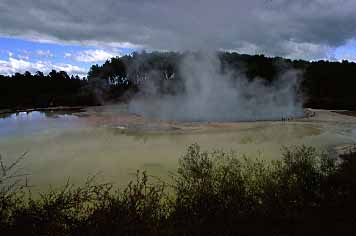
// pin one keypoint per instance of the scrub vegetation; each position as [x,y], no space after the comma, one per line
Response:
[212,193]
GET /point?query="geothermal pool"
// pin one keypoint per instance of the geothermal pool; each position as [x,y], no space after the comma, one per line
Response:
[110,142]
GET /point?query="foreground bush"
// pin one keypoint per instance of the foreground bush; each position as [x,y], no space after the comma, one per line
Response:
[217,193]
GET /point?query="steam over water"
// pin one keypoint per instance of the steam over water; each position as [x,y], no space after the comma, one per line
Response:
[213,95]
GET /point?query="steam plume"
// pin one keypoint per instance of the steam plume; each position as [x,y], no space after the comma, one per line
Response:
[213,95]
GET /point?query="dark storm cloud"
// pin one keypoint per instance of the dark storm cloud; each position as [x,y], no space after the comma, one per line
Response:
[294,28]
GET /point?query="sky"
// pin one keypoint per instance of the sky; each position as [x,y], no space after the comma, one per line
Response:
[20,55]
[71,35]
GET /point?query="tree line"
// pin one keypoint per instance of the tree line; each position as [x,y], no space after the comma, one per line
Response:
[38,90]
[325,84]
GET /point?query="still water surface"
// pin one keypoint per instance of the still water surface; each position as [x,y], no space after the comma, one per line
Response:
[113,144]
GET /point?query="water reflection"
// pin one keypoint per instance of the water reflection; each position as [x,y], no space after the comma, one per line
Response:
[28,122]
[33,115]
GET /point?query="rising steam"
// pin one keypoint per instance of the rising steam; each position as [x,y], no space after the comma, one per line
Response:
[213,95]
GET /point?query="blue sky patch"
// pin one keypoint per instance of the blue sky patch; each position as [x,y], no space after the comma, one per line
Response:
[34,56]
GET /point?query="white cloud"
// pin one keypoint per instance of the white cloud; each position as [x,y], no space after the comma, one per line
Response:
[70,69]
[245,48]
[44,53]
[19,54]
[23,57]
[45,38]
[91,56]
[13,65]
[308,51]
[289,49]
